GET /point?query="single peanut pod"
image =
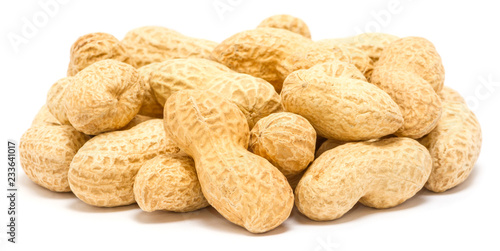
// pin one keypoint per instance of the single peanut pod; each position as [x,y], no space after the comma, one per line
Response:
[372,43]
[104,97]
[243,187]
[55,100]
[254,96]
[340,108]
[102,173]
[260,53]
[418,102]
[454,144]
[286,22]
[95,47]
[416,55]
[152,44]
[46,151]
[169,182]
[150,106]
[286,140]
[44,117]
[378,174]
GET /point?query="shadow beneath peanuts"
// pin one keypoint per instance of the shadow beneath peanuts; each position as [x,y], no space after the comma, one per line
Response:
[219,223]
[81,206]
[359,211]
[158,217]
[26,184]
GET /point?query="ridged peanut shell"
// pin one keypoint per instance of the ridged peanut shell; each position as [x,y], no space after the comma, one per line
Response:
[286,140]
[287,22]
[55,99]
[44,117]
[343,109]
[417,55]
[150,44]
[102,173]
[454,145]
[378,174]
[104,97]
[260,53]
[150,106]
[46,151]
[169,182]
[95,47]
[418,102]
[372,43]
[244,188]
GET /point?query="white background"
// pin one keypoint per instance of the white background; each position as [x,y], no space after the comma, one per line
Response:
[466,35]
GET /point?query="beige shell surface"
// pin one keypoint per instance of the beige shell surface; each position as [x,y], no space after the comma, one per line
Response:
[150,106]
[150,44]
[372,43]
[136,120]
[379,174]
[183,74]
[327,145]
[343,109]
[169,182]
[104,97]
[260,53]
[338,69]
[44,117]
[95,47]
[447,94]
[287,22]
[102,172]
[286,140]
[358,57]
[244,188]
[417,55]
[313,54]
[419,104]
[55,99]
[454,144]
[46,151]
[254,96]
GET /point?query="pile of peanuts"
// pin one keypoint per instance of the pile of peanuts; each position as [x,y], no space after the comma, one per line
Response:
[265,120]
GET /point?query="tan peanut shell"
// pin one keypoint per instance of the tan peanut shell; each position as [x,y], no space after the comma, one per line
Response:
[255,97]
[448,94]
[340,108]
[287,22]
[349,54]
[378,174]
[102,172]
[55,99]
[286,140]
[418,102]
[260,52]
[454,144]
[150,106]
[46,151]
[152,44]
[44,117]
[104,97]
[244,188]
[327,145]
[169,182]
[372,43]
[417,55]
[313,54]
[95,47]
[136,120]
